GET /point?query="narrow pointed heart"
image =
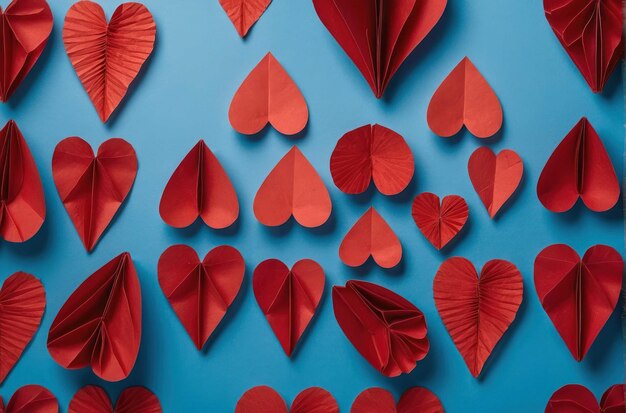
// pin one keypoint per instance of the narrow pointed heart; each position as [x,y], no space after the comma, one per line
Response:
[199,187]
[477,311]
[581,168]
[574,398]
[495,177]
[264,399]
[99,326]
[439,221]
[93,399]
[578,295]
[293,188]
[107,57]
[465,98]
[268,95]
[31,399]
[244,13]
[413,400]
[93,187]
[200,292]
[288,298]
[371,236]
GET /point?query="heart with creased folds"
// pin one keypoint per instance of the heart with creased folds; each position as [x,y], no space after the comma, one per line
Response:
[264,399]
[31,399]
[574,398]
[413,400]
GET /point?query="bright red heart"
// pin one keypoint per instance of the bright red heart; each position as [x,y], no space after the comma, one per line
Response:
[92,188]
[465,98]
[439,222]
[413,400]
[200,292]
[31,399]
[579,167]
[93,399]
[371,236]
[578,295]
[268,95]
[477,311]
[199,187]
[574,398]
[495,177]
[264,399]
[288,298]
[244,13]
[108,57]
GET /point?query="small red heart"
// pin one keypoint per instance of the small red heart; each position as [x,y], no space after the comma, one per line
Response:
[136,399]
[92,188]
[574,398]
[263,399]
[439,222]
[413,400]
[31,399]
[244,13]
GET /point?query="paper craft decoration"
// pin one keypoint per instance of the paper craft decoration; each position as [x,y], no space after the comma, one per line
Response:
[590,31]
[108,56]
[579,167]
[22,303]
[26,27]
[268,95]
[578,295]
[495,177]
[93,187]
[372,152]
[477,311]
[288,298]
[93,399]
[464,98]
[244,13]
[439,221]
[100,323]
[371,236]
[574,398]
[413,400]
[386,329]
[263,399]
[22,203]
[31,399]
[378,36]
[293,187]
[199,187]
[200,292]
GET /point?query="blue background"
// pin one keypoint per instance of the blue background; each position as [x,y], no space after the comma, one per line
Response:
[184,93]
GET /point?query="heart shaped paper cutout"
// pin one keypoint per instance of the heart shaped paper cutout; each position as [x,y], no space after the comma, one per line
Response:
[464,98]
[378,36]
[31,399]
[264,399]
[288,298]
[93,399]
[199,187]
[371,236]
[574,398]
[495,177]
[108,56]
[477,311]
[200,292]
[372,152]
[244,13]
[581,168]
[27,25]
[92,188]
[439,221]
[578,295]
[268,95]
[293,188]
[413,400]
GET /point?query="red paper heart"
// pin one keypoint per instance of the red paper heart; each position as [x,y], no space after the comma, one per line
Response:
[268,95]
[371,236]
[200,292]
[464,98]
[199,187]
[372,152]
[288,298]
[574,398]
[378,36]
[244,13]
[92,188]
[477,311]
[93,399]
[264,399]
[31,399]
[293,187]
[413,400]
[579,167]
[578,295]
[495,177]
[108,56]
[439,222]
[100,323]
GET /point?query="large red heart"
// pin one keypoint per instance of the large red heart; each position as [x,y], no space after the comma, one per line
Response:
[574,398]
[288,298]
[263,399]
[31,399]
[413,400]
[200,292]
[578,295]
[477,311]
[93,399]
[244,13]
[108,57]
[92,188]
[439,222]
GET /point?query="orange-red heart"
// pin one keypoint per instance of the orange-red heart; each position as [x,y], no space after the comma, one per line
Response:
[244,13]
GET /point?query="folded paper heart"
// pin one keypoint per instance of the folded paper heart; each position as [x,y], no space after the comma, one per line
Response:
[244,13]
[107,57]
[264,399]
[31,399]
[578,295]
[413,400]
[136,399]
[93,187]
[574,398]
[200,292]
[439,221]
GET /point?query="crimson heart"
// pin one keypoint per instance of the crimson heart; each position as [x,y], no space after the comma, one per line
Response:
[574,398]
[263,399]
[93,399]
[31,399]
[413,400]
[439,222]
